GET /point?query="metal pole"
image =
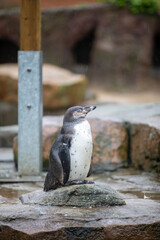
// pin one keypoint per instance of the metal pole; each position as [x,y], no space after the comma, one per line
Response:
[30,90]
[29,112]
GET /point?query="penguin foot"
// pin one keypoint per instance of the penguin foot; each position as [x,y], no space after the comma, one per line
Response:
[88,182]
[77,182]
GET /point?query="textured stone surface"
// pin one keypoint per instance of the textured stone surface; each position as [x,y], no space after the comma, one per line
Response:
[142,122]
[88,195]
[61,88]
[138,219]
[122,134]
[109,139]
[131,232]
[145,147]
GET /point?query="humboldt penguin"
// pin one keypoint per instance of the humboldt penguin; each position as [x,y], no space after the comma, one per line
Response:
[70,155]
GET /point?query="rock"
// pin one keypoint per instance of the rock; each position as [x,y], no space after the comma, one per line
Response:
[122,135]
[61,88]
[109,139]
[138,219]
[85,195]
[145,147]
[142,123]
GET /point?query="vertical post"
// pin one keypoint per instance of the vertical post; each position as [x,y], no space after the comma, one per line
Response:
[30,25]
[30,90]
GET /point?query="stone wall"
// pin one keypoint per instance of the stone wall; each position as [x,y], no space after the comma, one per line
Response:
[112,46]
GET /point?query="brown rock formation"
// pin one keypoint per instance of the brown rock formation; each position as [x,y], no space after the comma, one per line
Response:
[61,88]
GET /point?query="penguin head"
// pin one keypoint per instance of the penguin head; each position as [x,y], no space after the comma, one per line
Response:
[77,113]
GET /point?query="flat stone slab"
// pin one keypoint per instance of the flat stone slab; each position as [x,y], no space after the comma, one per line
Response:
[85,195]
[138,219]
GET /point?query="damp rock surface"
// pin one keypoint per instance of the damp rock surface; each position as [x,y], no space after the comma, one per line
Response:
[85,195]
[138,219]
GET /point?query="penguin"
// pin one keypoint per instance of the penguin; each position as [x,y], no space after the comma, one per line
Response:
[70,155]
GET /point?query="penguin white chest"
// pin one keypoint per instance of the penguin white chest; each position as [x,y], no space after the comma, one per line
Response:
[81,151]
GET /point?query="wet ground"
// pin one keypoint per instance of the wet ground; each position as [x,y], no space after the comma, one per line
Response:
[130,183]
[141,191]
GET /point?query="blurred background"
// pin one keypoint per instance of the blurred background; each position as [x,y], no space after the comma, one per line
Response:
[114,44]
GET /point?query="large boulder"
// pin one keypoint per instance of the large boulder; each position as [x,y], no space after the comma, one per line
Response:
[122,135]
[61,88]
[142,123]
[110,142]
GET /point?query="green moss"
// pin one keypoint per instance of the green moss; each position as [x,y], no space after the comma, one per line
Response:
[137,6]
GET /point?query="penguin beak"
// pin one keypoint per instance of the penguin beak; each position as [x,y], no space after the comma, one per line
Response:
[87,109]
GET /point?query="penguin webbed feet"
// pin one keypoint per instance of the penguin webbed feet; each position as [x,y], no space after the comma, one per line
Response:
[78,182]
[88,182]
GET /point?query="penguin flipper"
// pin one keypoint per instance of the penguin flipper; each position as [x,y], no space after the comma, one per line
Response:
[50,182]
[56,168]
[59,168]
[54,177]
[64,155]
